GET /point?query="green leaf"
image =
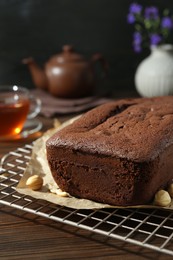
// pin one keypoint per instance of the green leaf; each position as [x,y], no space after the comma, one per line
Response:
[147,24]
[166,12]
[138,27]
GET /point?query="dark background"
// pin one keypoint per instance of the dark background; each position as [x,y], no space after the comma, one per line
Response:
[40,28]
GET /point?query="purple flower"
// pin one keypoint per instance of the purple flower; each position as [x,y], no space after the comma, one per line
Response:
[151,13]
[135,8]
[137,41]
[137,48]
[130,18]
[151,27]
[155,39]
[137,37]
[167,22]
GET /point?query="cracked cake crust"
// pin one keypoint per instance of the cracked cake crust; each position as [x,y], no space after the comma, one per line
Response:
[118,153]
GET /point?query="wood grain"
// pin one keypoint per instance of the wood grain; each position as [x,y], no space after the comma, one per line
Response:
[26,236]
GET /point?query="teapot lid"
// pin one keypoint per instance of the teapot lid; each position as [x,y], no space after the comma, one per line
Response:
[67,55]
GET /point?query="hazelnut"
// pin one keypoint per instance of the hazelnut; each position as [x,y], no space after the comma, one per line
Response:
[34,182]
[170,190]
[61,193]
[162,198]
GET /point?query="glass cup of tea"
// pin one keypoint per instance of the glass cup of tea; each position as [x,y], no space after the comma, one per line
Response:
[16,106]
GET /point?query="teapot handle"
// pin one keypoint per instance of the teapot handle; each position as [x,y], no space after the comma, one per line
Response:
[98,57]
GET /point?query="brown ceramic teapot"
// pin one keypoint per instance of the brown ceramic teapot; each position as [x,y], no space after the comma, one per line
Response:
[66,75]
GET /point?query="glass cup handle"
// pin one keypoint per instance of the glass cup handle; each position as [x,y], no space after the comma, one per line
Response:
[35,107]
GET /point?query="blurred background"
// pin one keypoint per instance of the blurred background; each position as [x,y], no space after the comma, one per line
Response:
[40,28]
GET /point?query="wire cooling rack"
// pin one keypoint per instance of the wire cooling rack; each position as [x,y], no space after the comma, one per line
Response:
[151,228]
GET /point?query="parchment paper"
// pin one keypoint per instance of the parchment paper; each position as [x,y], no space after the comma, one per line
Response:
[38,165]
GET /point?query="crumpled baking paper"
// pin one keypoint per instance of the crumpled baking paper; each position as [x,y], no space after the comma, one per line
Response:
[38,165]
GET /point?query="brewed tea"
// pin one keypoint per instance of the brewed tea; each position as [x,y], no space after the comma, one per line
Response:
[13,117]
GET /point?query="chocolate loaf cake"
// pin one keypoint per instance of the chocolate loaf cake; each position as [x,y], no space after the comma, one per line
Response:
[120,153]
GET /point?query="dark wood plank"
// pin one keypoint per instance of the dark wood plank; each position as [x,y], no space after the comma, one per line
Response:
[26,236]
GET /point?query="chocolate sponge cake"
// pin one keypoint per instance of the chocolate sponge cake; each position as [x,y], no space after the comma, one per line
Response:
[120,153]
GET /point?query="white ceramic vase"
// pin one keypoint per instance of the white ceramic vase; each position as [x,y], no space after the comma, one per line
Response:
[154,75]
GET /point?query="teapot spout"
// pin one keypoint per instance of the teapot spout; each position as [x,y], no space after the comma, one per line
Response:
[38,75]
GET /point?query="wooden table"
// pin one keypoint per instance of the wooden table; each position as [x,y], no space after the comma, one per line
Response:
[27,236]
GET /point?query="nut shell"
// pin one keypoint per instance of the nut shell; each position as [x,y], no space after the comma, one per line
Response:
[34,182]
[162,198]
[170,190]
